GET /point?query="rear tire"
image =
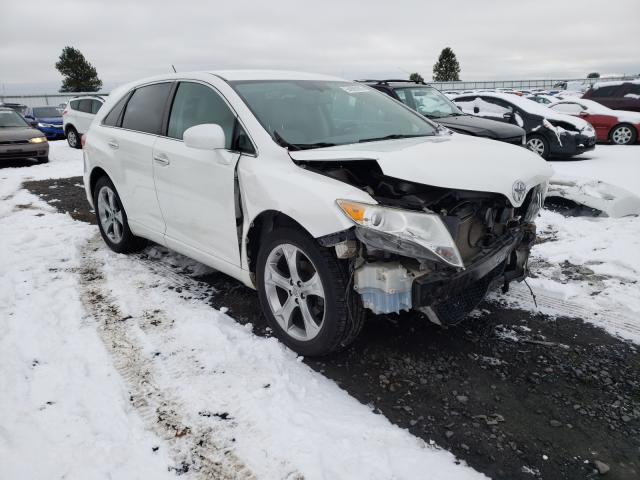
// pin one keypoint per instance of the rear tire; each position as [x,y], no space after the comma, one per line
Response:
[538,144]
[112,219]
[73,138]
[623,134]
[319,291]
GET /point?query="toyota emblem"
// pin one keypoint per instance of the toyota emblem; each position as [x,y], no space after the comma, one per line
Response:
[519,191]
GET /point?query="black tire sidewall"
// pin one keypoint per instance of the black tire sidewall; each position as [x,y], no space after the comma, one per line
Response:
[129,242]
[331,328]
[634,134]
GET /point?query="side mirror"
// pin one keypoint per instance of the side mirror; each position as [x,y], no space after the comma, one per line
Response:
[583,113]
[208,136]
[33,123]
[476,110]
[28,117]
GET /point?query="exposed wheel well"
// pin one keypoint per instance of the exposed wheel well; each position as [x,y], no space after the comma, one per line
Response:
[265,222]
[96,173]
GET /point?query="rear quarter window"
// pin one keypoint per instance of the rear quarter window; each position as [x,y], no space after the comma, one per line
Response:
[145,110]
[113,117]
[74,104]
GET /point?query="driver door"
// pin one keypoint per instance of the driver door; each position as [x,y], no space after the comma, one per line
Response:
[195,188]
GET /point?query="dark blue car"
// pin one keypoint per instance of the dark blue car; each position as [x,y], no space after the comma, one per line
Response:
[46,119]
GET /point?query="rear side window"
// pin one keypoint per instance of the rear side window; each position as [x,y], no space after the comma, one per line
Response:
[95,106]
[85,105]
[570,108]
[145,109]
[605,92]
[113,117]
[196,104]
[74,104]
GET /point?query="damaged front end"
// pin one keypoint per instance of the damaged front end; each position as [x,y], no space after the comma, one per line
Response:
[428,248]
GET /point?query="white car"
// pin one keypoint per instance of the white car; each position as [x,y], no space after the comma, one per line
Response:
[326,196]
[77,117]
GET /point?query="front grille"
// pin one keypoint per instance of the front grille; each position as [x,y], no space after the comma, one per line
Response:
[14,142]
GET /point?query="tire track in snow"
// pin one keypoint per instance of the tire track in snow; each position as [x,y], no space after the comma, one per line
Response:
[549,304]
[195,448]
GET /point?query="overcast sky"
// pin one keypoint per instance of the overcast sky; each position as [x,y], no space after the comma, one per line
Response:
[498,39]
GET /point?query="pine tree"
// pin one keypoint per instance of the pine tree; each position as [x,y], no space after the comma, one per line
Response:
[416,77]
[447,68]
[593,75]
[79,75]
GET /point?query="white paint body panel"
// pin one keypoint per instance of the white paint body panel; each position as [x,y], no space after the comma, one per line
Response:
[189,205]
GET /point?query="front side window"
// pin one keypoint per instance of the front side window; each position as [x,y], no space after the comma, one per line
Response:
[300,114]
[145,109]
[197,104]
[46,112]
[9,118]
[428,101]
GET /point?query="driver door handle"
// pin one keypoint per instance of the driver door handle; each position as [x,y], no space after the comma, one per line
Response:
[161,159]
[113,144]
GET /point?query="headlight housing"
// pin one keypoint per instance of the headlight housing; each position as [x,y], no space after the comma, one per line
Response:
[405,232]
[38,140]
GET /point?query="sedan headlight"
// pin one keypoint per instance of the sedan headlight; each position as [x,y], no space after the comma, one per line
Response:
[38,140]
[405,232]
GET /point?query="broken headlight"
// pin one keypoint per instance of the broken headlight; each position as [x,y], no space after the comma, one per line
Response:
[408,233]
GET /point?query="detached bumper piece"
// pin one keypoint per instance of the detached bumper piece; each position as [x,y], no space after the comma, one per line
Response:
[447,299]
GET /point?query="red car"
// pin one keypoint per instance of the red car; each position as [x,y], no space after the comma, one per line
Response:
[617,95]
[615,126]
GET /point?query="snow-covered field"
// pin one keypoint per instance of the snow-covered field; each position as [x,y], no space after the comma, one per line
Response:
[106,373]
[109,371]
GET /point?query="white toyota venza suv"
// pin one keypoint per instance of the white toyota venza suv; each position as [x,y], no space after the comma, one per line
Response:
[326,196]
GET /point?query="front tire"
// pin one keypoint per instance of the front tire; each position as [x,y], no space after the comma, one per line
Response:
[305,294]
[623,134]
[538,144]
[42,160]
[73,138]
[112,219]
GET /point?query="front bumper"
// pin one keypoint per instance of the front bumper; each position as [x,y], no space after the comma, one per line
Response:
[21,151]
[52,133]
[452,297]
[572,144]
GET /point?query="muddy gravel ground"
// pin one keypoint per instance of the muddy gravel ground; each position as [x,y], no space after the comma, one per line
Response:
[514,394]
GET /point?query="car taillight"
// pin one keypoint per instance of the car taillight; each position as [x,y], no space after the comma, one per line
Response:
[82,140]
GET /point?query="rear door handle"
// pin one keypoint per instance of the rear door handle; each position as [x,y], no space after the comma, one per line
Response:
[161,159]
[113,144]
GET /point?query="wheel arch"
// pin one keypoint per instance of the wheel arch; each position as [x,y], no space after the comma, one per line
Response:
[96,173]
[266,221]
[623,124]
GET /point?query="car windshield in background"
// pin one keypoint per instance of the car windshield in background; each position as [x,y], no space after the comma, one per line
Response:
[304,114]
[9,118]
[428,101]
[44,112]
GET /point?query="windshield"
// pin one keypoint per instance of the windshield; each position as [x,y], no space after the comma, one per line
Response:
[9,118]
[428,101]
[303,114]
[44,112]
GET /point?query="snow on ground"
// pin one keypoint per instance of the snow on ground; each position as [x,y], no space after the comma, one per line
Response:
[593,263]
[108,373]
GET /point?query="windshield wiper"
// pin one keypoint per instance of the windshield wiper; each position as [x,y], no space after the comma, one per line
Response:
[393,136]
[299,146]
[283,143]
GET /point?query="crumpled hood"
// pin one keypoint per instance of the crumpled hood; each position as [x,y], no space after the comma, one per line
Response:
[453,161]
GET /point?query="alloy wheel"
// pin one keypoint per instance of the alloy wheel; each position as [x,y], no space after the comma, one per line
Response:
[622,135]
[536,145]
[294,292]
[110,214]
[72,138]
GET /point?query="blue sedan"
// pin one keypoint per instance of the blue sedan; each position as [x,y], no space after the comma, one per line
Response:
[46,119]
